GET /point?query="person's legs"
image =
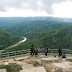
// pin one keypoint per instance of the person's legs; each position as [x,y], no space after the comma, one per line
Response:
[46,53]
[59,53]
[31,52]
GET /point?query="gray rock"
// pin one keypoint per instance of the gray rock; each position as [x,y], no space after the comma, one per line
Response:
[6,63]
[34,69]
[3,70]
[49,59]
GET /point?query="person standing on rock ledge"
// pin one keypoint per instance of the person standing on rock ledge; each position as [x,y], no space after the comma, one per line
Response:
[60,51]
[46,51]
[32,50]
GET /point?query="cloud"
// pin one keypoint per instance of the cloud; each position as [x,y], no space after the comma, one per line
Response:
[63,9]
[47,5]
[41,5]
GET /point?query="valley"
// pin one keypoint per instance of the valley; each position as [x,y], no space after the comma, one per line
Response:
[40,31]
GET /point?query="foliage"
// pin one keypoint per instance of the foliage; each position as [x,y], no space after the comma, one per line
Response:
[69,60]
[36,63]
[11,67]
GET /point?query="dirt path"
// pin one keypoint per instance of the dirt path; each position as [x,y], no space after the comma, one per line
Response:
[15,44]
[1,51]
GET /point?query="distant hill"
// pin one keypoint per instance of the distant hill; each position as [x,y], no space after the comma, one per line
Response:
[10,21]
[7,38]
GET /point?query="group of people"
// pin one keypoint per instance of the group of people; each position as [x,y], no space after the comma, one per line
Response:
[35,51]
[60,53]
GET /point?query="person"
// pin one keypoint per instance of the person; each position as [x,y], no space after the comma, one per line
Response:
[46,51]
[36,51]
[32,50]
[64,56]
[60,51]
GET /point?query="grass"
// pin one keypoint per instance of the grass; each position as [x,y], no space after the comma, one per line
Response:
[36,63]
[69,60]
[11,67]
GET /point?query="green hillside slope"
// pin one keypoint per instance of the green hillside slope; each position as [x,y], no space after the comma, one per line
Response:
[7,38]
[44,33]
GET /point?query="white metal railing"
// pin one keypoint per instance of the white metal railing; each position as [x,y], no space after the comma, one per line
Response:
[25,52]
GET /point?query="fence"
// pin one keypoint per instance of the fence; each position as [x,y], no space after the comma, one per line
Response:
[27,52]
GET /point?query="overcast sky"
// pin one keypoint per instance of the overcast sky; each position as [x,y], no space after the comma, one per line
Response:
[26,8]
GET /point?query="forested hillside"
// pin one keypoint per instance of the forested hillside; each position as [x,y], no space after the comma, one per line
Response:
[43,32]
[7,38]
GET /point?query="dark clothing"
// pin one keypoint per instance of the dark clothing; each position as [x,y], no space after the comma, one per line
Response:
[36,52]
[46,51]
[60,51]
[64,56]
[32,51]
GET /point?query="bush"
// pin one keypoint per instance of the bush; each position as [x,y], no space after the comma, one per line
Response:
[11,67]
[36,63]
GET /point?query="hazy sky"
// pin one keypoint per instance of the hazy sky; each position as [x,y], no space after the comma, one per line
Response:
[25,8]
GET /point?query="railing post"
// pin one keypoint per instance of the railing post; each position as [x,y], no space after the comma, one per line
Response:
[0,55]
[15,53]
[42,51]
[49,51]
[8,54]
[28,51]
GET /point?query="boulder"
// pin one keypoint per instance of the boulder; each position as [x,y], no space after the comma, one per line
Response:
[49,59]
[3,70]
[34,69]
